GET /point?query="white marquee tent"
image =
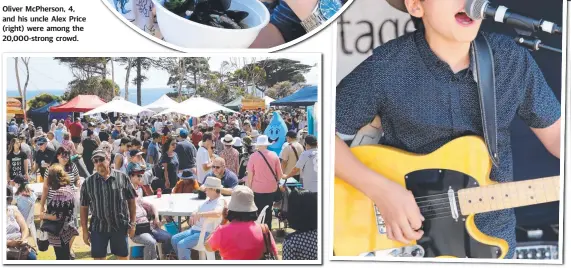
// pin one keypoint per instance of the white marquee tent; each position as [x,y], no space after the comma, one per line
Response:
[163,103]
[268,100]
[196,107]
[119,105]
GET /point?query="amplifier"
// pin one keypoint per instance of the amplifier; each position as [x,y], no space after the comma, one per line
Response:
[538,250]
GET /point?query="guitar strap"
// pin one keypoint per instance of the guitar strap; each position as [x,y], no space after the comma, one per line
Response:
[484,75]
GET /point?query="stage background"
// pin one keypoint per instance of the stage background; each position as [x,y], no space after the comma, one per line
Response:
[370,23]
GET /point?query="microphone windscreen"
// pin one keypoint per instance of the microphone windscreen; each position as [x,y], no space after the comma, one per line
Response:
[474,9]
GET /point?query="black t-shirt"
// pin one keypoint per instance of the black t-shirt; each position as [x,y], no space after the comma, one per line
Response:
[103,136]
[16,163]
[186,153]
[89,146]
[47,156]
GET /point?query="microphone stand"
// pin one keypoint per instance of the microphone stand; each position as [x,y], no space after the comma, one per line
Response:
[534,44]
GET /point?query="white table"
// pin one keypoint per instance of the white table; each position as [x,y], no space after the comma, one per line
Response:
[178,205]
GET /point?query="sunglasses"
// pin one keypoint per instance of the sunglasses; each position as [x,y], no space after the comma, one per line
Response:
[64,155]
[98,160]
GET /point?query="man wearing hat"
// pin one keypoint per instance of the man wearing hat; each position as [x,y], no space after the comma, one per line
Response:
[290,154]
[185,151]
[432,99]
[187,183]
[229,154]
[118,128]
[110,197]
[227,176]
[75,130]
[136,158]
[211,208]
[44,156]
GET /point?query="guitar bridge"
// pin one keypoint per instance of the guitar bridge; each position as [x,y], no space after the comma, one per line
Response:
[381,227]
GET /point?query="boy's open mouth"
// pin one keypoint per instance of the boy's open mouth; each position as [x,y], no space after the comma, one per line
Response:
[463,19]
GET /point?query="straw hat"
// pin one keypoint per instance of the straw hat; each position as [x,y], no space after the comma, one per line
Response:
[262,141]
[213,183]
[228,139]
[242,200]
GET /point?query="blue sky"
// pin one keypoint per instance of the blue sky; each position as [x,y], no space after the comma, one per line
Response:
[46,73]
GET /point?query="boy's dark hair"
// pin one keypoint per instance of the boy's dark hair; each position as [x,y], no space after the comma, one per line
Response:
[207,136]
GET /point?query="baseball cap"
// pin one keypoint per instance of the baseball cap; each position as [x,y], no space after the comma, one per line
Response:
[135,168]
[183,133]
[218,124]
[41,141]
[99,152]
[135,152]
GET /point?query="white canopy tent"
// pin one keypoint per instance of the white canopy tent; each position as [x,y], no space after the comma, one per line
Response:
[268,100]
[163,103]
[196,107]
[119,105]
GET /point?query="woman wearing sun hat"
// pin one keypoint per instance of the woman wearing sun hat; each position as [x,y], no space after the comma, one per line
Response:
[243,238]
[211,208]
[264,170]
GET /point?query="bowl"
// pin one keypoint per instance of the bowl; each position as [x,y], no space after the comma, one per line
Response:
[189,34]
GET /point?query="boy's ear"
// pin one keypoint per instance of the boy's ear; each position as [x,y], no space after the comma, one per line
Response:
[414,8]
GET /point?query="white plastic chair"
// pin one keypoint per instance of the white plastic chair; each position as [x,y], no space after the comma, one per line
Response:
[204,254]
[262,216]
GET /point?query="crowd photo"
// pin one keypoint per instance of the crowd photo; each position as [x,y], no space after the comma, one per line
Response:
[187,180]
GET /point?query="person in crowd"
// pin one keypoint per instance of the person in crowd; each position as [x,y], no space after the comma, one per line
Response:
[58,132]
[60,208]
[216,135]
[17,231]
[75,130]
[146,142]
[104,189]
[264,171]
[307,165]
[227,177]
[117,130]
[53,125]
[243,237]
[230,155]
[89,145]
[25,198]
[302,217]
[121,159]
[13,128]
[170,163]
[186,152]
[90,126]
[246,129]
[188,183]
[27,149]
[290,154]
[147,233]
[211,208]
[153,152]
[197,134]
[62,158]
[43,158]
[52,141]
[17,161]
[248,150]
[68,144]
[203,159]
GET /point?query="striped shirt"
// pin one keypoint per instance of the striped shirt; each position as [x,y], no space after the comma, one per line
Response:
[107,201]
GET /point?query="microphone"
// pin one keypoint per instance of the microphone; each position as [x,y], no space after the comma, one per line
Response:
[482,9]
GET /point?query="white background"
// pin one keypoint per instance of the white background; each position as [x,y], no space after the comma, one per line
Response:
[106,33]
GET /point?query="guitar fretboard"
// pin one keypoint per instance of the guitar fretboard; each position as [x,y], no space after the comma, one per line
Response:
[508,195]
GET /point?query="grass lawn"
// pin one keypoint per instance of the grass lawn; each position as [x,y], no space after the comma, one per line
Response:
[83,252]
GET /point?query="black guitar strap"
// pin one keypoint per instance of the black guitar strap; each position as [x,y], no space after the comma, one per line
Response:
[484,75]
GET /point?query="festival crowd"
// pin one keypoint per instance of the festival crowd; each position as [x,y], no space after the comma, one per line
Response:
[95,172]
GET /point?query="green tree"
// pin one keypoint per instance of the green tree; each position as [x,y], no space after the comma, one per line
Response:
[278,70]
[84,68]
[41,100]
[104,88]
[281,89]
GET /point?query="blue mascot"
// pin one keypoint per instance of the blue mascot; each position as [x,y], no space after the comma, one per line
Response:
[276,132]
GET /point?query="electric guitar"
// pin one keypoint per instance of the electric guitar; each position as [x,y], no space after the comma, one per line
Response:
[450,186]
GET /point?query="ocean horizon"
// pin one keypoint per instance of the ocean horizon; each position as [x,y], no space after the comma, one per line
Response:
[149,94]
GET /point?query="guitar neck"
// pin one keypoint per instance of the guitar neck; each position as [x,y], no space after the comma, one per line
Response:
[508,195]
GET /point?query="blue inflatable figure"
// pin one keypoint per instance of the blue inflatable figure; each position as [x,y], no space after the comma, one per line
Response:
[276,132]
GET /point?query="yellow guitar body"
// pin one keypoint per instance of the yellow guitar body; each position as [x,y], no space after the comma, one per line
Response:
[355,225]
